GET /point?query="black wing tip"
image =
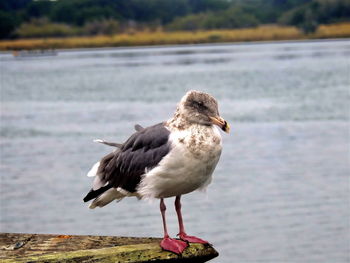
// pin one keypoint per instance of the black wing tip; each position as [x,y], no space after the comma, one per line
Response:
[95,193]
[89,196]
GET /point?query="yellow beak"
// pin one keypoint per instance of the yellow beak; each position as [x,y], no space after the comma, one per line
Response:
[217,120]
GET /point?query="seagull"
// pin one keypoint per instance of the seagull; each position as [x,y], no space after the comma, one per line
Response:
[165,160]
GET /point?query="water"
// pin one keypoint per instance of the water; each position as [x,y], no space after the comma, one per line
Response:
[280,191]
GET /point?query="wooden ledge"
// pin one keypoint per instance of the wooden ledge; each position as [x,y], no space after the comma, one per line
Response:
[67,248]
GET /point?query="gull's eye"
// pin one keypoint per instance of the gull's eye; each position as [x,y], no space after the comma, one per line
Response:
[199,105]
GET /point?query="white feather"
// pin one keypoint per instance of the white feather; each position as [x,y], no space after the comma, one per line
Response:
[110,195]
[93,170]
[107,197]
[97,183]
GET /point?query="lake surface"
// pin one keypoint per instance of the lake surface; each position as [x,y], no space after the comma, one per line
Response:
[280,191]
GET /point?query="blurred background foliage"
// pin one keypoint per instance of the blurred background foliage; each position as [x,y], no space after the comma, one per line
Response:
[47,18]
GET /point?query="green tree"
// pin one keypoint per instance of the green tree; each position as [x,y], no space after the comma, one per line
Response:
[7,24]
[308,16]
[78,12]
[201,6]
[12,5]
[102,27]
[231,18]
[42,27]
[189,23]
[38,9]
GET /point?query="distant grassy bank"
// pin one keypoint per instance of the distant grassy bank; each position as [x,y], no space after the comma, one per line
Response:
[262,33]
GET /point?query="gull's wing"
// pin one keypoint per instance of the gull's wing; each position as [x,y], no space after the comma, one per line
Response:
[124,167]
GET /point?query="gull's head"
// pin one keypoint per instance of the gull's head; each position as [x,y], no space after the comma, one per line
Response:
[202,108]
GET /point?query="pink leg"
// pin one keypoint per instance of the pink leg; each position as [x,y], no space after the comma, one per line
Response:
[182,234]
[169,244]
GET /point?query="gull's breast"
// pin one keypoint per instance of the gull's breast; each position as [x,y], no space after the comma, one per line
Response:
[188,166]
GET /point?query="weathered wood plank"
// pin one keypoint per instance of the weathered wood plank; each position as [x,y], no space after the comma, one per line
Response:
[74,248]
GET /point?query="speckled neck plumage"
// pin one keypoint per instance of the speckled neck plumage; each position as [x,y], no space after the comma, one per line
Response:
[178,121]
[197,138]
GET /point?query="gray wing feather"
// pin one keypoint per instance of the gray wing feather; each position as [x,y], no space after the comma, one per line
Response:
[144,149]
[138,127]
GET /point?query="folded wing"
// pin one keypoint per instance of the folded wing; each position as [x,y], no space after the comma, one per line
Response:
[123,168]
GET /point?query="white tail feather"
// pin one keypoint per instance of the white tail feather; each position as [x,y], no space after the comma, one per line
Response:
[106,198]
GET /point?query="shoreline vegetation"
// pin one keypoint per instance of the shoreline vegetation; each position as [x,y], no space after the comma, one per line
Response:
[148,38]
[64,24]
